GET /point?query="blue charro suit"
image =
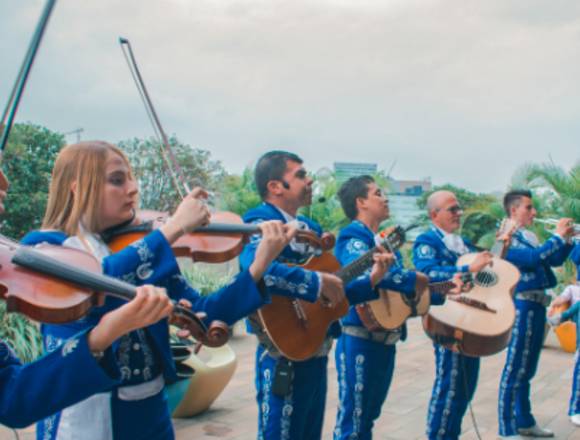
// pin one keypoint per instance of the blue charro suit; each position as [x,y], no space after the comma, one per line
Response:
[31,392]
[455,374]
[574,407]
[299,415]
[575,257]
[138,408]
[364,365]
[534,262]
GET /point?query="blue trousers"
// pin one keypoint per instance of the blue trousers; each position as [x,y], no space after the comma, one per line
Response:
[575,397]
[515,410]
[455,382]
[365,370]
[299,415]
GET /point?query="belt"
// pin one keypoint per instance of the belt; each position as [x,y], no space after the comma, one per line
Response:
[537,296]
[141,391]
[382,337]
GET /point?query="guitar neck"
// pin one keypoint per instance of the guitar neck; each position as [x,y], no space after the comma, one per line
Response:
[357,267]
[441,287]
[499,249]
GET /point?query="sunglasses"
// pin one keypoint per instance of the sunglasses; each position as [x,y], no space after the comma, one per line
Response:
[455,209]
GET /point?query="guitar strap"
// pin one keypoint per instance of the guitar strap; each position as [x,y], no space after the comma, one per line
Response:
[411,301]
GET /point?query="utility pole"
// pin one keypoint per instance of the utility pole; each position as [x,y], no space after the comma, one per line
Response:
[78,132]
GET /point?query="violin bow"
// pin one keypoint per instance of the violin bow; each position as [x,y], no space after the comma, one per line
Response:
[176,172]
[14,100]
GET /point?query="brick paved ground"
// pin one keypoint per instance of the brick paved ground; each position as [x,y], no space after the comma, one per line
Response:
[233,416]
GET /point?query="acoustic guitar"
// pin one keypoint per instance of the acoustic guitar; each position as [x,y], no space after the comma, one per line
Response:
[479,323]
[298,328]
[393,308]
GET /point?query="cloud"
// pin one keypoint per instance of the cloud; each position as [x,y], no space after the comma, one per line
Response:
[460,91]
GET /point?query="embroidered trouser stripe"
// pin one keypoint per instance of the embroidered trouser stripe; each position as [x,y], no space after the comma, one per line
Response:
[514,407]
[365,370]
[575,397]
[455,382]
[299,415]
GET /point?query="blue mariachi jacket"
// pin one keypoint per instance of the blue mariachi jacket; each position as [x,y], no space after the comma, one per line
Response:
[355,240]
[535,263]
[295,282]
[151,261]
[575,257]
[37,390]
[431,256]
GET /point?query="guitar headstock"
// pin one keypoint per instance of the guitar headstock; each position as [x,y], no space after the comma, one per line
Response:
[507,229]
[392,238]
[504,234]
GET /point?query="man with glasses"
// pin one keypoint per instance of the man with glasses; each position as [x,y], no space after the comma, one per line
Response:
[534,260]
[435,253]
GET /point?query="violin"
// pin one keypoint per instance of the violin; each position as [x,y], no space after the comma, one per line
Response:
[221,240]
[225,236]
[56,285]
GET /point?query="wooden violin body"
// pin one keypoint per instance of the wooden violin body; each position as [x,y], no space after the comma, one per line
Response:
[298,328]
[220,241]
[43,297]
[209,247]
[56,285]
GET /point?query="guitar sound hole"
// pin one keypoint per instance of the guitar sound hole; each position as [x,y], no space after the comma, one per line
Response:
[486,278]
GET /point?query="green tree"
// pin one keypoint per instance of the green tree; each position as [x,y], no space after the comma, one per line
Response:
[556,195]
[560,189]
[156,185]
[238,193]
[28,161]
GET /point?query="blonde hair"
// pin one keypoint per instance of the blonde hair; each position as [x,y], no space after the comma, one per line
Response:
[84,164]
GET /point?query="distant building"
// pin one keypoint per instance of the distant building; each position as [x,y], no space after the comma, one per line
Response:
[403,197]
[410,187]
[404,211]
[346,170]
[403,194]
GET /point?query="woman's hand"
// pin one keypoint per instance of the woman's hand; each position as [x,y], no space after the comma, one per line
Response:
[149,306]
[275,237]
[191,213]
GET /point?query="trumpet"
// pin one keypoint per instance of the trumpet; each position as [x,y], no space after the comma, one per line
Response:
[553,222]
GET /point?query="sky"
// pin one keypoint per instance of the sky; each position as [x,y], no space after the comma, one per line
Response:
[463,92]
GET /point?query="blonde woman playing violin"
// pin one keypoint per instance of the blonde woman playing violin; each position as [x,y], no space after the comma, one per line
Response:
[93,189]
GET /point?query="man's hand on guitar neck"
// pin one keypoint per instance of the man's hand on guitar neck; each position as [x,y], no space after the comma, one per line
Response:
[332,291]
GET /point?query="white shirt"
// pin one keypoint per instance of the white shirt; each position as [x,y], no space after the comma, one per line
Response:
[571,293]
[453,242]
[301,248]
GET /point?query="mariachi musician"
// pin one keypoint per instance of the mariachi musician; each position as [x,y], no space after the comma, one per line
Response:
[84,366]
[435,253]
[534,260]
[365,357]
[291,395]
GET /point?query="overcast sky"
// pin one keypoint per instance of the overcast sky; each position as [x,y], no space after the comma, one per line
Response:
[461,91]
